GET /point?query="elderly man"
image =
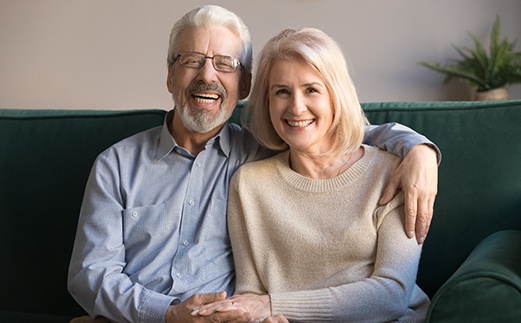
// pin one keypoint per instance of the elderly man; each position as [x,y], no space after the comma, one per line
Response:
[152,239]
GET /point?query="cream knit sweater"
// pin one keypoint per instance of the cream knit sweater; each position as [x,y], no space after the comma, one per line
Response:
[324,250]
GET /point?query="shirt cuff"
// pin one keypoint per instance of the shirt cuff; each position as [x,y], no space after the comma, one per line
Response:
[155,306]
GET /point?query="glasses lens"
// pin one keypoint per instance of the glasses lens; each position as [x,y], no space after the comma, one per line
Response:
[220,62]
[224,63]
[193,60]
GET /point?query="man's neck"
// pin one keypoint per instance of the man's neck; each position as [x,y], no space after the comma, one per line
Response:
[194,142]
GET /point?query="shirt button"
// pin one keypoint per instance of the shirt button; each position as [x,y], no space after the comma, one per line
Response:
[185,243]
[178,275]
[134,214]
[198,164]
[191,202]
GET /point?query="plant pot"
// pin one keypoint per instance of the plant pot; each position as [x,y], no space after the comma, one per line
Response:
[500,93]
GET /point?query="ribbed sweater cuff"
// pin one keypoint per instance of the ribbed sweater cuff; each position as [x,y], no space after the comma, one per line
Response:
[306,306]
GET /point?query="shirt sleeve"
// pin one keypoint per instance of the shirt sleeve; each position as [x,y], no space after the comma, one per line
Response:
[96,279]
[396,139]
[388,289]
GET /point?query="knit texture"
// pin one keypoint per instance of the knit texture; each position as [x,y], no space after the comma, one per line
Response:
[324,249]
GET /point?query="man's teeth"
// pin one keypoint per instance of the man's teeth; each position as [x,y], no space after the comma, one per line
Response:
[300,123]
[206,98]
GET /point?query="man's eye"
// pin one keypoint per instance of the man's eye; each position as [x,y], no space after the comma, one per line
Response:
[224,64]
[190,61]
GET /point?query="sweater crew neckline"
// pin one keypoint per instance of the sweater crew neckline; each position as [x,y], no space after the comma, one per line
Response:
[347,178]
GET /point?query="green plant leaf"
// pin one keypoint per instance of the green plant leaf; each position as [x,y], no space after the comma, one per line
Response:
[498,67]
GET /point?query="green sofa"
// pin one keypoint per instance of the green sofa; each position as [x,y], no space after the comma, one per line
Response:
[471,262]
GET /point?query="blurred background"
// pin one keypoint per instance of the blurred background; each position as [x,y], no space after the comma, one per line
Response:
[111,54]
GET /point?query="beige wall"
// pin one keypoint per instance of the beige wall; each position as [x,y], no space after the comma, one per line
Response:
[110,54]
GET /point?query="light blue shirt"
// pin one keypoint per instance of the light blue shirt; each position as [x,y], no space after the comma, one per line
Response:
[152,229]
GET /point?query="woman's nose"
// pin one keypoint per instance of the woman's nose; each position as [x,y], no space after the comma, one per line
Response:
[297,104]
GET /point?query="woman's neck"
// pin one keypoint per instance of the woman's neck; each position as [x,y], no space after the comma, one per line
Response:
[323,166]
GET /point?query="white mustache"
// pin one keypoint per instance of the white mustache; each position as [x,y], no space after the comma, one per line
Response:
[195,87]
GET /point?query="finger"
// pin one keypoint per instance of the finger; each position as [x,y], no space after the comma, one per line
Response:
[208,309]
[221,306]
[411,204]
[208,298]
[276,319]
[230,317]
[421,221]
[425,213]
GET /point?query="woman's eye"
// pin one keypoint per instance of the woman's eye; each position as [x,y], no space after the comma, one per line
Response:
[311,90]
[281,91]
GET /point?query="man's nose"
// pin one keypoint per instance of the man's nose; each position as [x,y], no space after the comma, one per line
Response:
[207,72]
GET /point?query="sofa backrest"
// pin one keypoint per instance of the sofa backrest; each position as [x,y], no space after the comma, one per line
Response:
[45,159]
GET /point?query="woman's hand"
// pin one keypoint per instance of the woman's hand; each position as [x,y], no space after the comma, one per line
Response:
[259,306]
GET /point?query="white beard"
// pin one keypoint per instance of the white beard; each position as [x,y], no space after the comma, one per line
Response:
[202,121]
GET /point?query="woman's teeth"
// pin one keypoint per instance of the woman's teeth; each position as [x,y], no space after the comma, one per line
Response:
[299,123]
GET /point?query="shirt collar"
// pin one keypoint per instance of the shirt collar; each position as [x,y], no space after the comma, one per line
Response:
[167,142]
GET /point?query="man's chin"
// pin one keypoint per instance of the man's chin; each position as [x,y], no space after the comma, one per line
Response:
[203,122]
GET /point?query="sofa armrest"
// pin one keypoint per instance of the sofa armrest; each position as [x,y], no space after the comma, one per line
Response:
[486,287]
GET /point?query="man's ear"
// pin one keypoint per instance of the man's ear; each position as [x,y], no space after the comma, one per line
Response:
[245,86]
[170,79]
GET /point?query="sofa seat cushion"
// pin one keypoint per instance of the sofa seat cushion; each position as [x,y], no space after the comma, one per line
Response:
[486,287]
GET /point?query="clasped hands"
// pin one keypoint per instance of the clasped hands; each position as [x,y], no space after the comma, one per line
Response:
[215,307]
[258,306]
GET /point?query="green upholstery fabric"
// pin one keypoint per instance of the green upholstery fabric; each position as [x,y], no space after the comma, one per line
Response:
[487,286]
[23,317]
[479,189]
[45,159]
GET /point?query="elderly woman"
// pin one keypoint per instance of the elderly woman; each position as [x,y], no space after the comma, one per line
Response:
[310,241]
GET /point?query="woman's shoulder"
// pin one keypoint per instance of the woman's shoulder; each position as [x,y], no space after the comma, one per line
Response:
[260,168]
[382,157]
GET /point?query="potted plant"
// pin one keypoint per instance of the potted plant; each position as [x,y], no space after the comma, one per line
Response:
[487,72]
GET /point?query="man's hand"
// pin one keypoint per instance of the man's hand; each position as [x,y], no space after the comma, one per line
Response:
[182,312]
[258,306]
[417,176]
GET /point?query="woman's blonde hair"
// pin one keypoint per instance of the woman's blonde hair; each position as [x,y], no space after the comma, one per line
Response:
[324,55]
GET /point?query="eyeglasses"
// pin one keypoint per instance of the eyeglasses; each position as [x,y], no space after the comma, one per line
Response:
[196,60]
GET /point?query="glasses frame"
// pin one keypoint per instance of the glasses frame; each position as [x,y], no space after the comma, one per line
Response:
[235,62]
